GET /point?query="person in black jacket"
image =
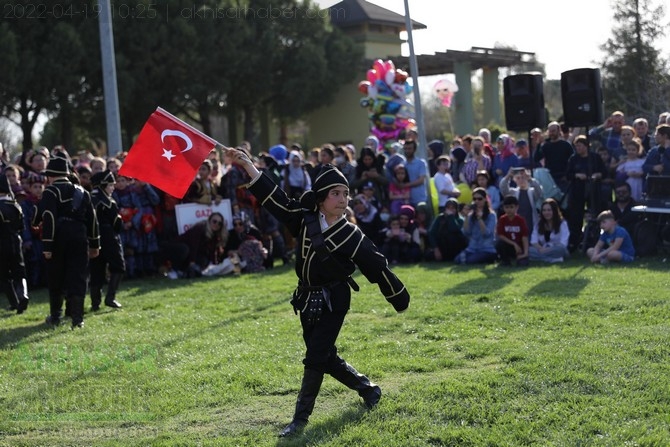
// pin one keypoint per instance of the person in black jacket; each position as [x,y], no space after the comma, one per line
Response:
[111,251]
[331,249]
[70,236]
[585,171]
[12,267]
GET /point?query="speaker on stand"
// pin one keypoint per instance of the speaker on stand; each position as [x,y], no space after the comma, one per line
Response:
[524,104]
[582,96]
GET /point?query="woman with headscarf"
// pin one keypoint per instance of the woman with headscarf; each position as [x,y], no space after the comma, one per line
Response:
[504,159]
[367,218]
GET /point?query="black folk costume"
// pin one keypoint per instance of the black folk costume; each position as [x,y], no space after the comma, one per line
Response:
[111,250]
[12,266]
[69,230]
[323,294]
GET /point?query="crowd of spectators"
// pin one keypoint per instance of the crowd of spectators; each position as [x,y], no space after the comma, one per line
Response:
[473,201]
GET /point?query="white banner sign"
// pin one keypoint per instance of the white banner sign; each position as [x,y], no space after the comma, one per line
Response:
[188,214]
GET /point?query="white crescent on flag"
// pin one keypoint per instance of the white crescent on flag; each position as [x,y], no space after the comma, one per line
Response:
[180,134]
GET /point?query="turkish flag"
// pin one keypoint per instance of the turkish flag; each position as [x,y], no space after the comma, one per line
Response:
[167,153]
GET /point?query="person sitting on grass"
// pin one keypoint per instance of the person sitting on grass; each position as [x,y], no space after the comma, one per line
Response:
[479,226]
[512,234]
[549,238]
[614,245]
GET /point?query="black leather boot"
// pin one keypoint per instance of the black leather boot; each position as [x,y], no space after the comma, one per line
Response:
[76,306]
[11,296]
[311,384]
[112,287]
[96,296]
[347,375]
[21,290]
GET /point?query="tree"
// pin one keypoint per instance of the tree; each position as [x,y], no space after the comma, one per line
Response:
[635,78]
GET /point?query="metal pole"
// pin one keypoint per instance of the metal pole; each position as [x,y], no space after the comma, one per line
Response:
[414,69]
[114,144]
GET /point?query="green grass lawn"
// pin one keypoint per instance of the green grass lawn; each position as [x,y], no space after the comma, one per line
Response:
[552,355]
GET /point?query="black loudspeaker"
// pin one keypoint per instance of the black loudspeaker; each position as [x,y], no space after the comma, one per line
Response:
[582,97]
[524,102]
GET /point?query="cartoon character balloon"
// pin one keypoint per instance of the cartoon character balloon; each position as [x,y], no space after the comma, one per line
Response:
[386,89]
[445,89]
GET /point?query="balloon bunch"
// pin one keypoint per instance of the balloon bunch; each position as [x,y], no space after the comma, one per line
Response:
[385,90]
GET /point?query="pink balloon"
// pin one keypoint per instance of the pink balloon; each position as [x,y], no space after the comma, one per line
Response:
[372,75]
[380,67]
[389,65]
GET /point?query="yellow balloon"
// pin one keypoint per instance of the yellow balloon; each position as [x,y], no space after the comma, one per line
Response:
[434,199]
[466,193]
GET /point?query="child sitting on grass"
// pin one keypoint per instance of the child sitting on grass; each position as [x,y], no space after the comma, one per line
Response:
[615,244]
[512,234]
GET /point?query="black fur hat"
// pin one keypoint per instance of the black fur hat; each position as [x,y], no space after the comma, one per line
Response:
[57,167]
[329,177]
[102,179]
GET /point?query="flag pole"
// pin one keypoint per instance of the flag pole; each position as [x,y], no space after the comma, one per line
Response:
[414,69]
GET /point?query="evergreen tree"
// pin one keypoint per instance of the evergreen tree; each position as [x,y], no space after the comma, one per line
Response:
[635,78]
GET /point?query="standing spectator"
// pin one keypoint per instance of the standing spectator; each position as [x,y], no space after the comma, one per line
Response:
[527,190]
[435,151]
[585,171]
[147,243]
[536,140]
[416,172]
[12,267]
[483,180]
[203,190]
[296,179]
[631,168]
[233,187]
[614,245]
[479,227]
[504,159]
[343,163]
[399,189]
[474,162]
[129,208]
[111,251]
[485,135]
[609,133]
[663,118]
[554,154]
[658,158]
[512,234]
[97,164]
[523,154]
[370,169]
[32,241]
[641,126]
[444,183]
[550,237]
[70,236]
[326,157]
[627,135]
[321,323]
[446,233]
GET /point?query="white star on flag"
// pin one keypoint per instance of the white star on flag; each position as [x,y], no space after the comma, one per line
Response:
[168,154]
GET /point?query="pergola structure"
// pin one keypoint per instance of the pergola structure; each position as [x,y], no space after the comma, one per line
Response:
[378,30]
[462,63]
